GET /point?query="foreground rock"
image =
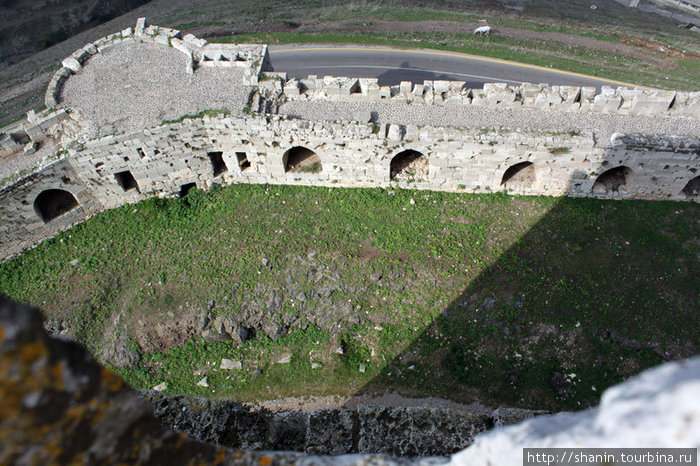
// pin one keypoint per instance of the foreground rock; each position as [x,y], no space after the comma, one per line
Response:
[659,408]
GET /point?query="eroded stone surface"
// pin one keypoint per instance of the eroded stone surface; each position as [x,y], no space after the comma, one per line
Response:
[395,431]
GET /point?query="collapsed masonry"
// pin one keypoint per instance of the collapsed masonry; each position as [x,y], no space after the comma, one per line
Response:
[336,132]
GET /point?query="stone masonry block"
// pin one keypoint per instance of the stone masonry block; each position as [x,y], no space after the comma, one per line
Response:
[72,64]
[140,27]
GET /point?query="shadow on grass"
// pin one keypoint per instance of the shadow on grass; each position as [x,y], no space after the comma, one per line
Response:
[594,293]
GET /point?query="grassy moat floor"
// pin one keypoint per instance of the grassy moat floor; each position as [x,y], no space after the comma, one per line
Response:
[515,301]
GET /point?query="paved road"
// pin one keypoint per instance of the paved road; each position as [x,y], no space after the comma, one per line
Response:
[392,66]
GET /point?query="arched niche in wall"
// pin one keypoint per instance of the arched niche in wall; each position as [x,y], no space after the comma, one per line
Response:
[299,159]
[409,165]
[613,180]
[692,189]
[519,176]
[53,203]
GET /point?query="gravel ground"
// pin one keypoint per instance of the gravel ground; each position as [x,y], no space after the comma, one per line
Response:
[138,85]
[466,116]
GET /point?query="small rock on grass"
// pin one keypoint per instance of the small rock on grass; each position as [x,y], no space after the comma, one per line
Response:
[285,359]
[204,382]
[363,368]
[230,364]
[161,387]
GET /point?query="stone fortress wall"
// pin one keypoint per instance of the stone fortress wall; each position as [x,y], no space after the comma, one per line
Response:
[92,175]
[620,100]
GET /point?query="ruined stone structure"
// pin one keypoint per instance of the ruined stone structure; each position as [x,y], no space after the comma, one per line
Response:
[261,138]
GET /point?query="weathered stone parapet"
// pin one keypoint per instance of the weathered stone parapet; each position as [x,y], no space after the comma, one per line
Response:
[394,431]
[37,129]
[621,100]
[251,58]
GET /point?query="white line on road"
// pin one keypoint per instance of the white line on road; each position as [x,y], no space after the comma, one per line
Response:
[450,73]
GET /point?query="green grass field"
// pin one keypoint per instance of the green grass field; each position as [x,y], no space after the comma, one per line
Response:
[469,297]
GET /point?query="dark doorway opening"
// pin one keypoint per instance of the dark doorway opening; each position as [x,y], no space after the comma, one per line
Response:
[521,175]
[409,165]
[301,160]
[692,189]
[186,188]
[53,203]
[612,180]
[126,180]
[217,162]
[243,161]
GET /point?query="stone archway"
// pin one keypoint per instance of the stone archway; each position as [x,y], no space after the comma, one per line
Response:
[519,176]
[53,203]
[613,180]
[692,189]
[409,165]
[299,159]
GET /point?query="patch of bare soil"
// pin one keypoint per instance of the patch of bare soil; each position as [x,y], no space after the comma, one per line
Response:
[658,47]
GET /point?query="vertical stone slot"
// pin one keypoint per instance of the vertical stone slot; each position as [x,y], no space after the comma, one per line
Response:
[577,100]
[673,102]
[217,162]
[53,203]
[126,181]
[142,154]
[243,161]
